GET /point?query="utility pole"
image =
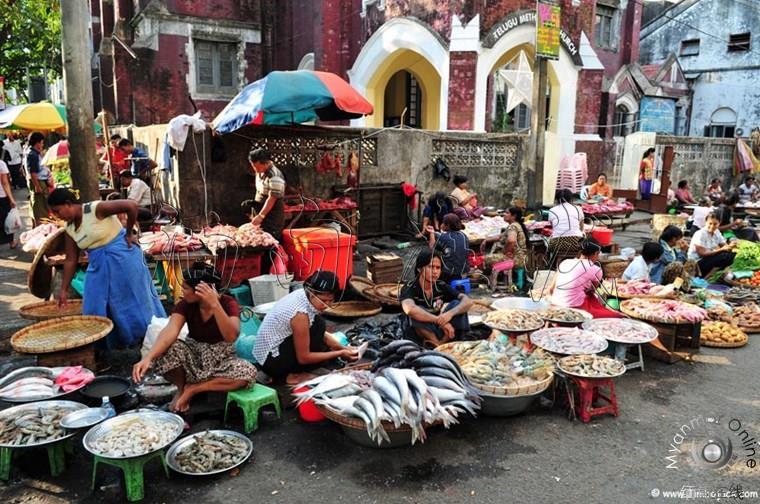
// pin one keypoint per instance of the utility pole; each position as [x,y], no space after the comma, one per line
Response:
[537,129]
[77,81]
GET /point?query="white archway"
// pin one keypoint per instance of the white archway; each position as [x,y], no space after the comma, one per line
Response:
[565,70]
[402,34]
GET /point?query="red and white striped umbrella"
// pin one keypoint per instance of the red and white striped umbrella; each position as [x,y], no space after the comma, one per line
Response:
[57,154]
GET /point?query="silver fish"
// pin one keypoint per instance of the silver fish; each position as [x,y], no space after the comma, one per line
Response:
[399,381]
[386,389]
[25,372]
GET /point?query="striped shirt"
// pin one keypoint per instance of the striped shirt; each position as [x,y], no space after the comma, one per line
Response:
[276,325]
[271,182]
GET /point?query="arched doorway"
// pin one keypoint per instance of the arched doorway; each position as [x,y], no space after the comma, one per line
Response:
[403,63]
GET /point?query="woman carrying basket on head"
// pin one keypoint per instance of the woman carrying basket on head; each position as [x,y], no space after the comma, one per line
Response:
[118,284]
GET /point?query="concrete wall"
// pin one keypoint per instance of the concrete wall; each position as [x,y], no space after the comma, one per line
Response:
[722,78]
[699,160]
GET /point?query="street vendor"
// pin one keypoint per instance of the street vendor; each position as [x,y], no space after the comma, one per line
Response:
[714,190]
[467,201]
[292,338]
[683,194]
[512,244]
[436,312]
[748,191]
[709,248]
[576,280]
[600,188]
[270,189]
[567,227]
[141,164]
[139,192]
[731,227]
[646,173]
[119,285]
[453,246]
[673,259]
[205,361]
[432,215]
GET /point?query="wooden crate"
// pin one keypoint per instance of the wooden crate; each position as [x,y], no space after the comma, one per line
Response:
[384,268]
[675,342]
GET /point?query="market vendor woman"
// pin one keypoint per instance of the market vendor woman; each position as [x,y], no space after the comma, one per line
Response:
[205,361]
[436,312]
[118,284]
[292,338]
[270,189]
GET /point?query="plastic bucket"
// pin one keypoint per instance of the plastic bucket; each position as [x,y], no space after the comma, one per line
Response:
[307,410]
[603,236]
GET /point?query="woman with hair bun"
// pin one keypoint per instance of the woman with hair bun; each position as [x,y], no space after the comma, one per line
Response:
[118,285]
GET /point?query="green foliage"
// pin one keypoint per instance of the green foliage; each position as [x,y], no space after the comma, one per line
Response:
[30,38]
[747,256]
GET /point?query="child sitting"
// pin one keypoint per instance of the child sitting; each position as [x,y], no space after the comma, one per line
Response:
[639,267]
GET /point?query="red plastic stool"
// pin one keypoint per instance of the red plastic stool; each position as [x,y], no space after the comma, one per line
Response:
[589,392]
[502,267]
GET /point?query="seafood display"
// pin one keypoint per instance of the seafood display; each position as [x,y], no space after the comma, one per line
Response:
[35,238]
[628,331]
[500,364]
[747,317]
[35,424]
[218,237]
[664,311]
[591,366]
[485,227]
[565,315]
[39,383]
[424,388]
[719,312]
[133,434]
[565,340]
[637,288]
[513,320]
[741,295]
[721,333]
[209,452]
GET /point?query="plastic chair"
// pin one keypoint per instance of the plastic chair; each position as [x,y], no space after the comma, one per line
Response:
[250,401]
[464,283]
[133,472]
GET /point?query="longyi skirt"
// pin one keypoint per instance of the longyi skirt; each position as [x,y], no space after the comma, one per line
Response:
[204,361]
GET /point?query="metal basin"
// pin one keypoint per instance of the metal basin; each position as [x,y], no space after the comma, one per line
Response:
[501,406]
[83,418]
[520,303]
[121,421]
[17,411]
[171,455]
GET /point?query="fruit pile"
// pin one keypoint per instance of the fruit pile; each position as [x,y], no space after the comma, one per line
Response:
[721,332]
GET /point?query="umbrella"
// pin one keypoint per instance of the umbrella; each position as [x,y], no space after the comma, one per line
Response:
[57,154]
[292,97]
[42,116]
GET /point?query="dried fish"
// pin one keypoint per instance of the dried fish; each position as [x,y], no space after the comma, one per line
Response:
[591,366]
[563,315]
[564,340]
[513,320]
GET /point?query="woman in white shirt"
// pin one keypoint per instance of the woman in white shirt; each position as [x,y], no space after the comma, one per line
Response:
[567,226]
[709,248]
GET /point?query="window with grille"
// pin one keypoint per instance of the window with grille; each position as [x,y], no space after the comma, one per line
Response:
[739,42]
[216,67]
[689,47]
[604,32]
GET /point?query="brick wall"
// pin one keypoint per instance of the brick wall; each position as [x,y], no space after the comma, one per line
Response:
[587,103]
[463,70]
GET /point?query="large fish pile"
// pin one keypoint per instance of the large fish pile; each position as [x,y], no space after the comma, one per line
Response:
[558,314]
[211,451]
[499,364]
[564,340]
[430,389]
[38,383]
[134,438]
[34,426]
[377,334]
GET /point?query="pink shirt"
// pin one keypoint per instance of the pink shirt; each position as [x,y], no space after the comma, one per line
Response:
[574,278]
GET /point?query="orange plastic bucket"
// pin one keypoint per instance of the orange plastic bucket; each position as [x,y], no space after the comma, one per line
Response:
[603,236]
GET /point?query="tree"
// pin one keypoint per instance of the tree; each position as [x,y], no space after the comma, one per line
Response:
[30,41]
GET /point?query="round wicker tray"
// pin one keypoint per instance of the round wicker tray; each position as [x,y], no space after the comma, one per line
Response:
[750,329]
[614,268]
[40,277]
[632,314]
[353,309]
[613,291]
[386,294]
[358,424]
[47,310]
[61,334]
[516,390]
[723,344]
[361,284]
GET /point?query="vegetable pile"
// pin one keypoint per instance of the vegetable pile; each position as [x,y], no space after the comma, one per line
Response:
[747,257]
[721,332]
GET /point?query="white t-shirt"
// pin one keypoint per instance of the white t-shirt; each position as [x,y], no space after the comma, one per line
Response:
[3,171]
[14,150]
[700,214]
[139,192]
[566,220]
[746,193]
[637,270]
[710,241]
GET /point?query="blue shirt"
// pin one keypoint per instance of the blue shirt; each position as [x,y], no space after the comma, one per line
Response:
[669,255]
[454,248]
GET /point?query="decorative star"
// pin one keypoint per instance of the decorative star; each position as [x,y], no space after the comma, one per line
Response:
[519,81]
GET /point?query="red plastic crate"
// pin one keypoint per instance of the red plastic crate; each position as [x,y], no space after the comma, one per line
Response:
[234,272]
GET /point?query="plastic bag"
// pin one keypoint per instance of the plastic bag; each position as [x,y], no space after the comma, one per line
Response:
[13,221]
[154,329]
[249,328]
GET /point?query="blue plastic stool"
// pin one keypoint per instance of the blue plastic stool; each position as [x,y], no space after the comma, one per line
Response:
[464,283]
[520,281]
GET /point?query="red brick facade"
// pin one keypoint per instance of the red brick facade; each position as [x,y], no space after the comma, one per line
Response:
[463,67]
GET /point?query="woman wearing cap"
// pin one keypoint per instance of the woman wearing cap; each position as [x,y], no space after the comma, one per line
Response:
[468,204]
[205,361]
[119,285]
[270,188]
[292,337]
[435,311]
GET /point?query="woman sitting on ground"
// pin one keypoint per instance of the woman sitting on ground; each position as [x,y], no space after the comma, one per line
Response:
[709,248]
[600,188]
[576,280]
[468,204]
[436,312]
[453,247]
[512,244]
[567,227]
[672,261]
[436,209]
[205,361]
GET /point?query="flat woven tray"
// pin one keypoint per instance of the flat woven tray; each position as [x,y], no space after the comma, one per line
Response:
[516,390]
[750,329]
[358,424]
[47,310]
[361,284]
[723,344]
[386,294]
[634,315]
[610,291]
[734,283]
[353,309]
[61,334]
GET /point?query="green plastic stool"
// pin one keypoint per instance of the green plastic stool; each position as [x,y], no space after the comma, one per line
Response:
[56,458]
[520,273]
[133,472]
[250,400]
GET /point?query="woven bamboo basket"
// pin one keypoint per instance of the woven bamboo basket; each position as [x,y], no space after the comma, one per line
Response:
[360,285]
[750,329]
[614,268]
[723,344]
[734,283]
[613,291]
[60,334]
[353,309]
[47,310]
[384,294]
[624,308]
[355,423]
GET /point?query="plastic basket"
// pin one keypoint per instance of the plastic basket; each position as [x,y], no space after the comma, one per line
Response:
[269,288]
